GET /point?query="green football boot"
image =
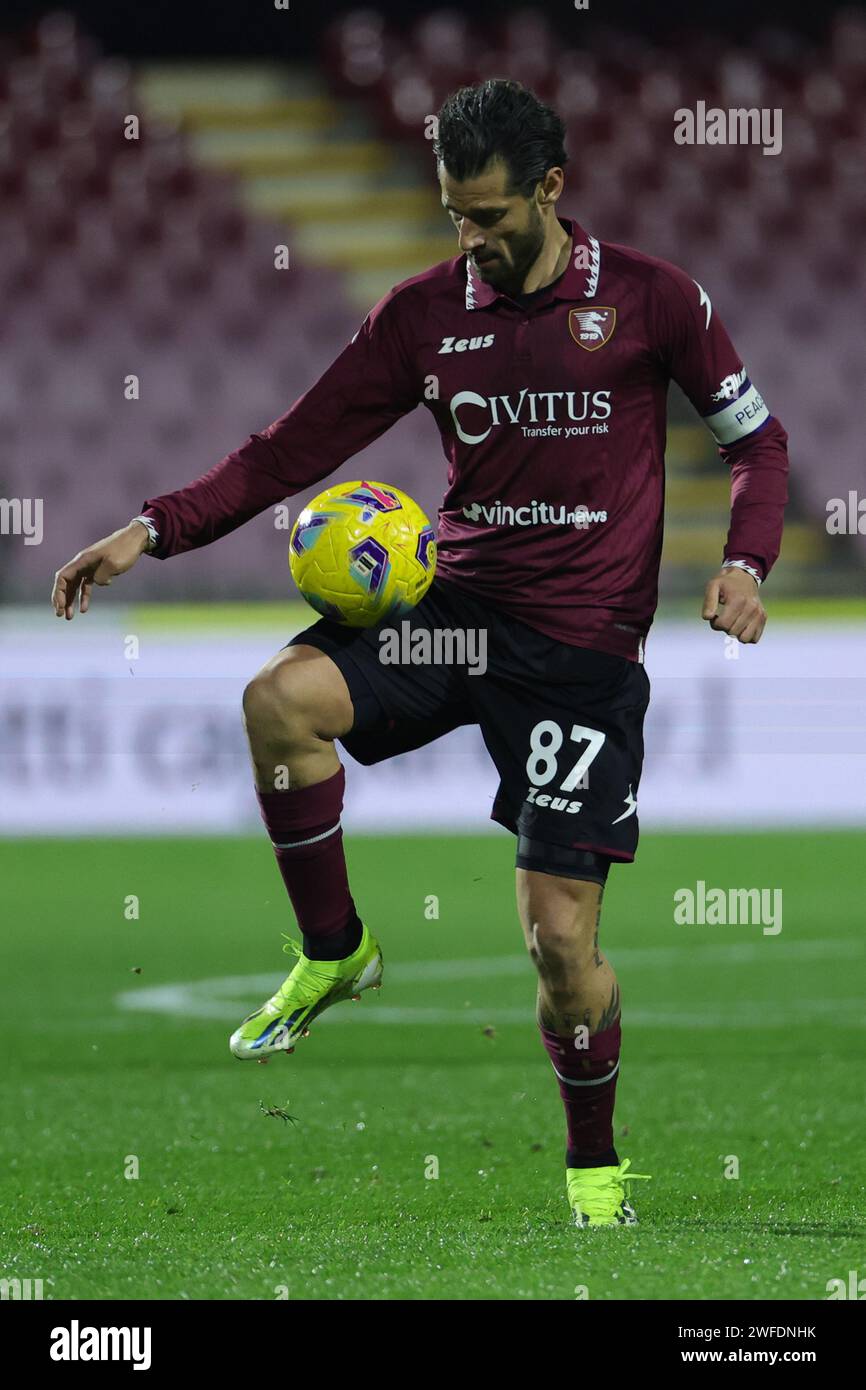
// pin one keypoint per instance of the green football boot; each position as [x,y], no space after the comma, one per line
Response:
[312,987]
[597,1196]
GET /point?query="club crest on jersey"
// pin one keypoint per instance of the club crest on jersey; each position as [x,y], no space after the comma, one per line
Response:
[592,328]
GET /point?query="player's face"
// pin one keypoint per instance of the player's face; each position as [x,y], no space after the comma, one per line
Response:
[501,231]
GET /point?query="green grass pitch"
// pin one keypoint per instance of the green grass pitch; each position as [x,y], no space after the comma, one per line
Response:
[737,1045]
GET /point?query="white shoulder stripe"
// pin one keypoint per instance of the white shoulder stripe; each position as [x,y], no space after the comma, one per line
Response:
[470,287]
[591,287]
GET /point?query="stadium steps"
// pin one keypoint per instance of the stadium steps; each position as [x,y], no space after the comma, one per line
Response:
[697,515]
[697,496]
[308,159]
[693,544]
[354,203]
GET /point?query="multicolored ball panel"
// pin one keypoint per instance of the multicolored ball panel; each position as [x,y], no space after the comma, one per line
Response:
[362,552]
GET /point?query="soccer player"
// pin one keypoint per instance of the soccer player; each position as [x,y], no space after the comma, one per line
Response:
[544,356]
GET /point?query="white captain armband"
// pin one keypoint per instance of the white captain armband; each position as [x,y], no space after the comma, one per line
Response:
[744,413]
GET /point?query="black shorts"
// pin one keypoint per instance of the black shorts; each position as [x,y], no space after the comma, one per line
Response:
[563,724]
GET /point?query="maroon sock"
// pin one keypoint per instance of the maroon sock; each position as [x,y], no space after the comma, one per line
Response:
[304,826]
[587,1083]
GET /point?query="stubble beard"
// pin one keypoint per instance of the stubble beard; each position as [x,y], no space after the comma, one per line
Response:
[525,252]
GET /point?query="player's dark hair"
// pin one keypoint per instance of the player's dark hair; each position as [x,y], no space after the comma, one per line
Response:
[499,119]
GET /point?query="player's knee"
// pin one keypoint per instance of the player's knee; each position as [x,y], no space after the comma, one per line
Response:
[269,700]
[562,929]
[293,700]
[558,949]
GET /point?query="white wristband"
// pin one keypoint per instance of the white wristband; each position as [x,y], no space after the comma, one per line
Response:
[151,530]
[735,565]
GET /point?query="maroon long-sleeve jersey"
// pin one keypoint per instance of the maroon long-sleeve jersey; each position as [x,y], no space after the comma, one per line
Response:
[552,418]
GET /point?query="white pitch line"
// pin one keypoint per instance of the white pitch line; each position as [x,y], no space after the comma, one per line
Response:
[229,997]
[757,1014]
[763,949]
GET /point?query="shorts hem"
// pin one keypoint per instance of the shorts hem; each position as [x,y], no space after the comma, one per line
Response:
[622,856]
[558,871]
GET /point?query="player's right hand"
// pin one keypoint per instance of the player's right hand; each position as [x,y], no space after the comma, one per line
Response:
[98,564]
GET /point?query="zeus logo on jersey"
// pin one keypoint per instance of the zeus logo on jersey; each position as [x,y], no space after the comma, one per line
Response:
[466,344]
[553,803]
[542,408]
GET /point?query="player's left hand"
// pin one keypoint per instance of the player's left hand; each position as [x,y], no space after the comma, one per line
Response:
[732,605]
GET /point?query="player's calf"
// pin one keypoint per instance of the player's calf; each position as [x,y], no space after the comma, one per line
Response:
[576,983]
[294,708]
[578,1017]
[578,1006]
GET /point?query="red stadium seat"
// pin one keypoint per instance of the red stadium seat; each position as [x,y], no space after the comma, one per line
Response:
[120,257]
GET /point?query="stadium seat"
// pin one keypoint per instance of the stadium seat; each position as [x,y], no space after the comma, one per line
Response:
[121,256]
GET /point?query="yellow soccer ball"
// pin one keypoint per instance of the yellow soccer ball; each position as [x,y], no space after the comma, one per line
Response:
[361,552]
